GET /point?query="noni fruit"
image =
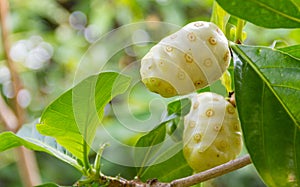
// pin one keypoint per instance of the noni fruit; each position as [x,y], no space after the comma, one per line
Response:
[190,59]
[212,134]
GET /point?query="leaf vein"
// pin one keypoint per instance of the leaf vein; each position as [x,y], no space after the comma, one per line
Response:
[256,69]
[286,86]
[276,11]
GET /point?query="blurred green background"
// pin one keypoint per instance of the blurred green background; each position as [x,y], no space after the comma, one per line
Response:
[49,38]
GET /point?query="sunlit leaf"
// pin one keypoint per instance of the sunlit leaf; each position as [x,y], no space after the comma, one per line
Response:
[265,13]
[72,118]
[31,139]
[219,17]
[267,86]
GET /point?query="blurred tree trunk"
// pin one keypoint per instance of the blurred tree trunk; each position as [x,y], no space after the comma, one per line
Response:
[14,117]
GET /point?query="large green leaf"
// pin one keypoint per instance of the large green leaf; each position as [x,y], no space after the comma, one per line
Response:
[267,85]
[265,13]
[31,139]
[293,50]
[72,118]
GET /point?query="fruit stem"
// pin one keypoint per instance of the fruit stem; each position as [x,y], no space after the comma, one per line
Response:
[86,162]
[97,163]
[232,98]
[239,31]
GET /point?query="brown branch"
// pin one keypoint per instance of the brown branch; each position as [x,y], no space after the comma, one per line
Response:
[14,119]
[28,168]
[212,173]
[183,182]
[26,163]
[17,85]
[7,115]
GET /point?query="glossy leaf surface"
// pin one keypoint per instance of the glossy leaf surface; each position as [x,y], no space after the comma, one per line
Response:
[31,139]
[265,13]
[73,117]
[293,50]
[267,85]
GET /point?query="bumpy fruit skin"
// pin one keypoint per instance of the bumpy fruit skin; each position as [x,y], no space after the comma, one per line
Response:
[190,59]
[212,134]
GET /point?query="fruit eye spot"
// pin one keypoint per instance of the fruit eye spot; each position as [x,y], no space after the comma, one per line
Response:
[215,99]
[187,149]
[188,58]
[196,105]
[226,56]
[237,142]
[192,124]
[197,137]
[209,112]
[236,126]
[169,48]
[191,36]
[173,36]
[198,83]
[217,128]
[230,109]
[219,31]
[198,24]
[223,145]
[169,90]
[207,62]
[180,75]
[212,41]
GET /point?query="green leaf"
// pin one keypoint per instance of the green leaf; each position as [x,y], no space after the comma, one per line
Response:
[293,50]
[219,17]
[265,13]
[31,139]
[173,168]
[48,185]
[267,86]
[72,118]
[179,107]
[148,145]
[114,169]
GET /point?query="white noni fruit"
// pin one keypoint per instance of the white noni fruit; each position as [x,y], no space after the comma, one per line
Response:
[190,59]
[212,134]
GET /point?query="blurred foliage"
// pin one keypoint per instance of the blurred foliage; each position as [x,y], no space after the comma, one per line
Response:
[50,37]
